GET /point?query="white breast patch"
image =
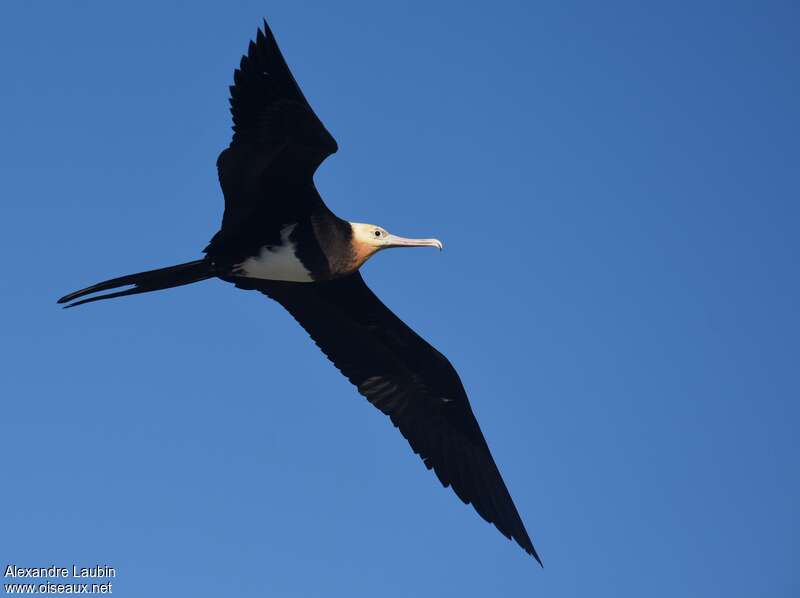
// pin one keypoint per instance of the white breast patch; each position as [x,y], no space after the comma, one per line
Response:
[276,262]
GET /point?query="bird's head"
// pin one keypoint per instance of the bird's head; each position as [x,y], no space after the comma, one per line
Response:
[370,238]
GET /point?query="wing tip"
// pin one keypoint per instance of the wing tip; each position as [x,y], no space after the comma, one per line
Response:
[522,538]
[532,551]
[265,27]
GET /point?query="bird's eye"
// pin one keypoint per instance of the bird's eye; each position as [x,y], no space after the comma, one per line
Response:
[378,233]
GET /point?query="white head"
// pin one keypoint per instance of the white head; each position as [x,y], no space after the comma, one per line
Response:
[370,238]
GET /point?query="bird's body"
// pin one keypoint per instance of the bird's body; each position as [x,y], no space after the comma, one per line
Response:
[279,237]
[281,261]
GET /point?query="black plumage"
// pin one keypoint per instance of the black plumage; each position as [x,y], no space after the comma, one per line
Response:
[272,207]
[408,380]
[266,172]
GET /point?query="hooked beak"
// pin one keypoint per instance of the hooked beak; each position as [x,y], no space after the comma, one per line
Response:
[395,241]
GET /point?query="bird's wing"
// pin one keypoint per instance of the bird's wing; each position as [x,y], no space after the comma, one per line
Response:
[408,380]
[278,141]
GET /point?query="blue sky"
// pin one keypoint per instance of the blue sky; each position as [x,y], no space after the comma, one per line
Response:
[617,190]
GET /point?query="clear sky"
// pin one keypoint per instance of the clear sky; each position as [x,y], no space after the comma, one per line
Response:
[617,190]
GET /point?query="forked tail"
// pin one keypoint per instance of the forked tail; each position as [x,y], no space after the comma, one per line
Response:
[144,282]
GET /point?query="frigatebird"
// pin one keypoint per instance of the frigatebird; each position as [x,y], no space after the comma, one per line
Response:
[278,237]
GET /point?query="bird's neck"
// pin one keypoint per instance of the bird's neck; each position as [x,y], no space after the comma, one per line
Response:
[333,239]
[360,252]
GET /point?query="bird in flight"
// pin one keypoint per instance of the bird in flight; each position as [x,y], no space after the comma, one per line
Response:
[278,237]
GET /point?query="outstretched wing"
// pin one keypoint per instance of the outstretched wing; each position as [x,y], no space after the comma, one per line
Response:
[278,142]
[408,380]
